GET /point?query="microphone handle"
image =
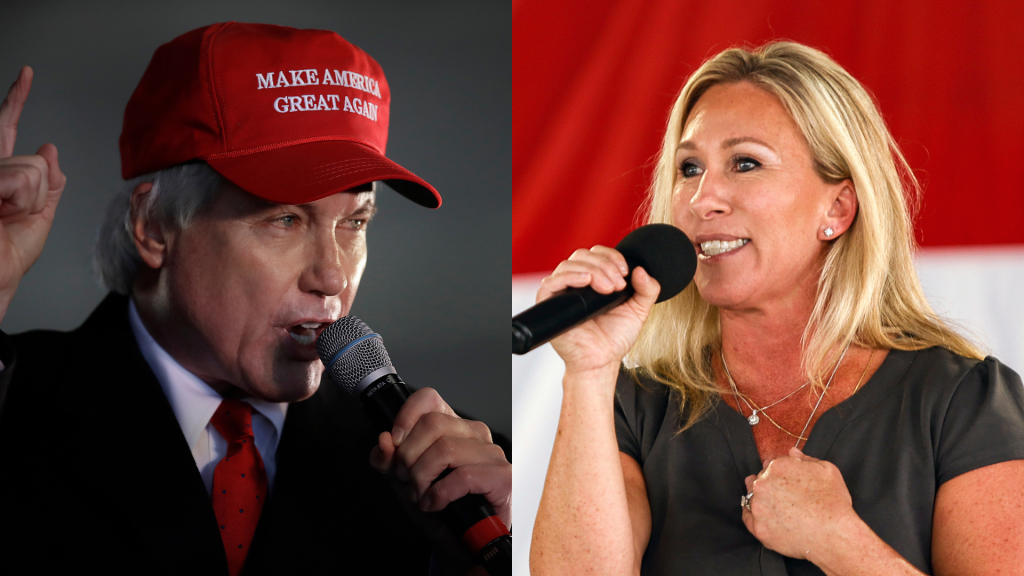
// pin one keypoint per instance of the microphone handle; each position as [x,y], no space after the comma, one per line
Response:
[549,319]
[472,518]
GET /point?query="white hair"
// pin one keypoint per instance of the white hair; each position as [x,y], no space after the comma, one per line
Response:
[179,193]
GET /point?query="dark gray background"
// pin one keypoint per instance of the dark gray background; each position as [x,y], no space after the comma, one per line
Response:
[436,284]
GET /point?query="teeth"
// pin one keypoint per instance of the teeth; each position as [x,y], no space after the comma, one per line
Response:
[310,325]
[303,339]
[716,247]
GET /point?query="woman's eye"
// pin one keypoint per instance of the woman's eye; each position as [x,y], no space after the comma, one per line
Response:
[746,164]
[689,170]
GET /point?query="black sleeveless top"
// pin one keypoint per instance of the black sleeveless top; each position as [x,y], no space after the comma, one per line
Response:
[924,417]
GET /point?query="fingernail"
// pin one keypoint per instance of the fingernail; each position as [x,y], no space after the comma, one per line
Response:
[397,435]
[426,502]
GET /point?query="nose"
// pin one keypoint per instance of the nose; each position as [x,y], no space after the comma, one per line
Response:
[711,198]
[325,272]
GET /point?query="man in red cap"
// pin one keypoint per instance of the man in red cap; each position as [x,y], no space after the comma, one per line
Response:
[166,434]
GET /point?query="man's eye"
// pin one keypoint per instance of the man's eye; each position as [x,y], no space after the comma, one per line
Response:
[744,164]
[287,221]
[689,170]
[357,224]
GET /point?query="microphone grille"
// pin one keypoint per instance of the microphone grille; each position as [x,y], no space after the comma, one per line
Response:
[665,253]
[357,360]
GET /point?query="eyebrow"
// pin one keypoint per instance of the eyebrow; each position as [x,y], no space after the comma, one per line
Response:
[728,143]
[368,208]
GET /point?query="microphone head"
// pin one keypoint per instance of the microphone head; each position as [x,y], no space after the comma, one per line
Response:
[665,253]
[350,351]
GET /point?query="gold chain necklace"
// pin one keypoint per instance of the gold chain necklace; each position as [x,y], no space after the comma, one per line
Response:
[752,421]
[865,371]
[774,423]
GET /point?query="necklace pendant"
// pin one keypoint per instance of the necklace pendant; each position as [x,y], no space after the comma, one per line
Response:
[753,419]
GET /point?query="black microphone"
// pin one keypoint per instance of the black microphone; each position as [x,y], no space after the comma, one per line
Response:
[357,361]
[662,250]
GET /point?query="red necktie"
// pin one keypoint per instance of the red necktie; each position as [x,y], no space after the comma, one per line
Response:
[239,482]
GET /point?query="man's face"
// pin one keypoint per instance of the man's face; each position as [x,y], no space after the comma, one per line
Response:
[250,284]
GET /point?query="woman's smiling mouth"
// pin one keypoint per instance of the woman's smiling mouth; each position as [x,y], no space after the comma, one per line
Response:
[715,247]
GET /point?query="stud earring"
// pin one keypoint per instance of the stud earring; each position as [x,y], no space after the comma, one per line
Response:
[828,232]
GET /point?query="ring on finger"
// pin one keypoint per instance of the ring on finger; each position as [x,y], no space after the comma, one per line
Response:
[745,500]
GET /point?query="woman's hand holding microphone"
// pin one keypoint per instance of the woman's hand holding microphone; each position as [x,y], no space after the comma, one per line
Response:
[583,522]
[600,343]
[589,520]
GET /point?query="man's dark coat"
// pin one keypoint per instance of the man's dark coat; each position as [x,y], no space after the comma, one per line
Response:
[95,472]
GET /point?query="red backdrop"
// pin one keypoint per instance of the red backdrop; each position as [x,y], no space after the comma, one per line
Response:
[594,80]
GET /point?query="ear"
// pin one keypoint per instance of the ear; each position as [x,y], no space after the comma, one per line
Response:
[148,235]
[841,212]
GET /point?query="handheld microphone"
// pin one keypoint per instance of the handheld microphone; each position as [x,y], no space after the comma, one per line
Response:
[662,250]
[356,360]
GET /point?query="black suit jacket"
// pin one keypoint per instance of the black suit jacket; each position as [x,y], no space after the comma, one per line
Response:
[95,472]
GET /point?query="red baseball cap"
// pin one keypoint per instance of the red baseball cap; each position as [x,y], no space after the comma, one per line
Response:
[289,115]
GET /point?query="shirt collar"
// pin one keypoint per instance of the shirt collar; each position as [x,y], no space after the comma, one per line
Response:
[192,400]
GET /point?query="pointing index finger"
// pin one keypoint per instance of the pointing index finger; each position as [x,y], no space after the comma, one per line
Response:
[10,111]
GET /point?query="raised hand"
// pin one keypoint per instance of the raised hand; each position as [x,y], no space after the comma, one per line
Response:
[30,187]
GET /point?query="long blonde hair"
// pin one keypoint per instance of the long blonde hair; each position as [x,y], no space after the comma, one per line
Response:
[868,293]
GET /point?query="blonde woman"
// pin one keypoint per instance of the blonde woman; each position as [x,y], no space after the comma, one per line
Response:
[798,409]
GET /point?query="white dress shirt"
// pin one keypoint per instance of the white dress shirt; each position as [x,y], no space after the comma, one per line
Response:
[194,402]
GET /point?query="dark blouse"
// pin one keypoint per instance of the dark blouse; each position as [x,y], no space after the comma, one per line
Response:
[923,418]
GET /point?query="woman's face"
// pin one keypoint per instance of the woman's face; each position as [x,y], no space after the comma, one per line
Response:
[747,195]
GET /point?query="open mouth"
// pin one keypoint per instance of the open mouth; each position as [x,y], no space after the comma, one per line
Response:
[306,333]
[716,247]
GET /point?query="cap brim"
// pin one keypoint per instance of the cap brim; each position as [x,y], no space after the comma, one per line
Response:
[306,172]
